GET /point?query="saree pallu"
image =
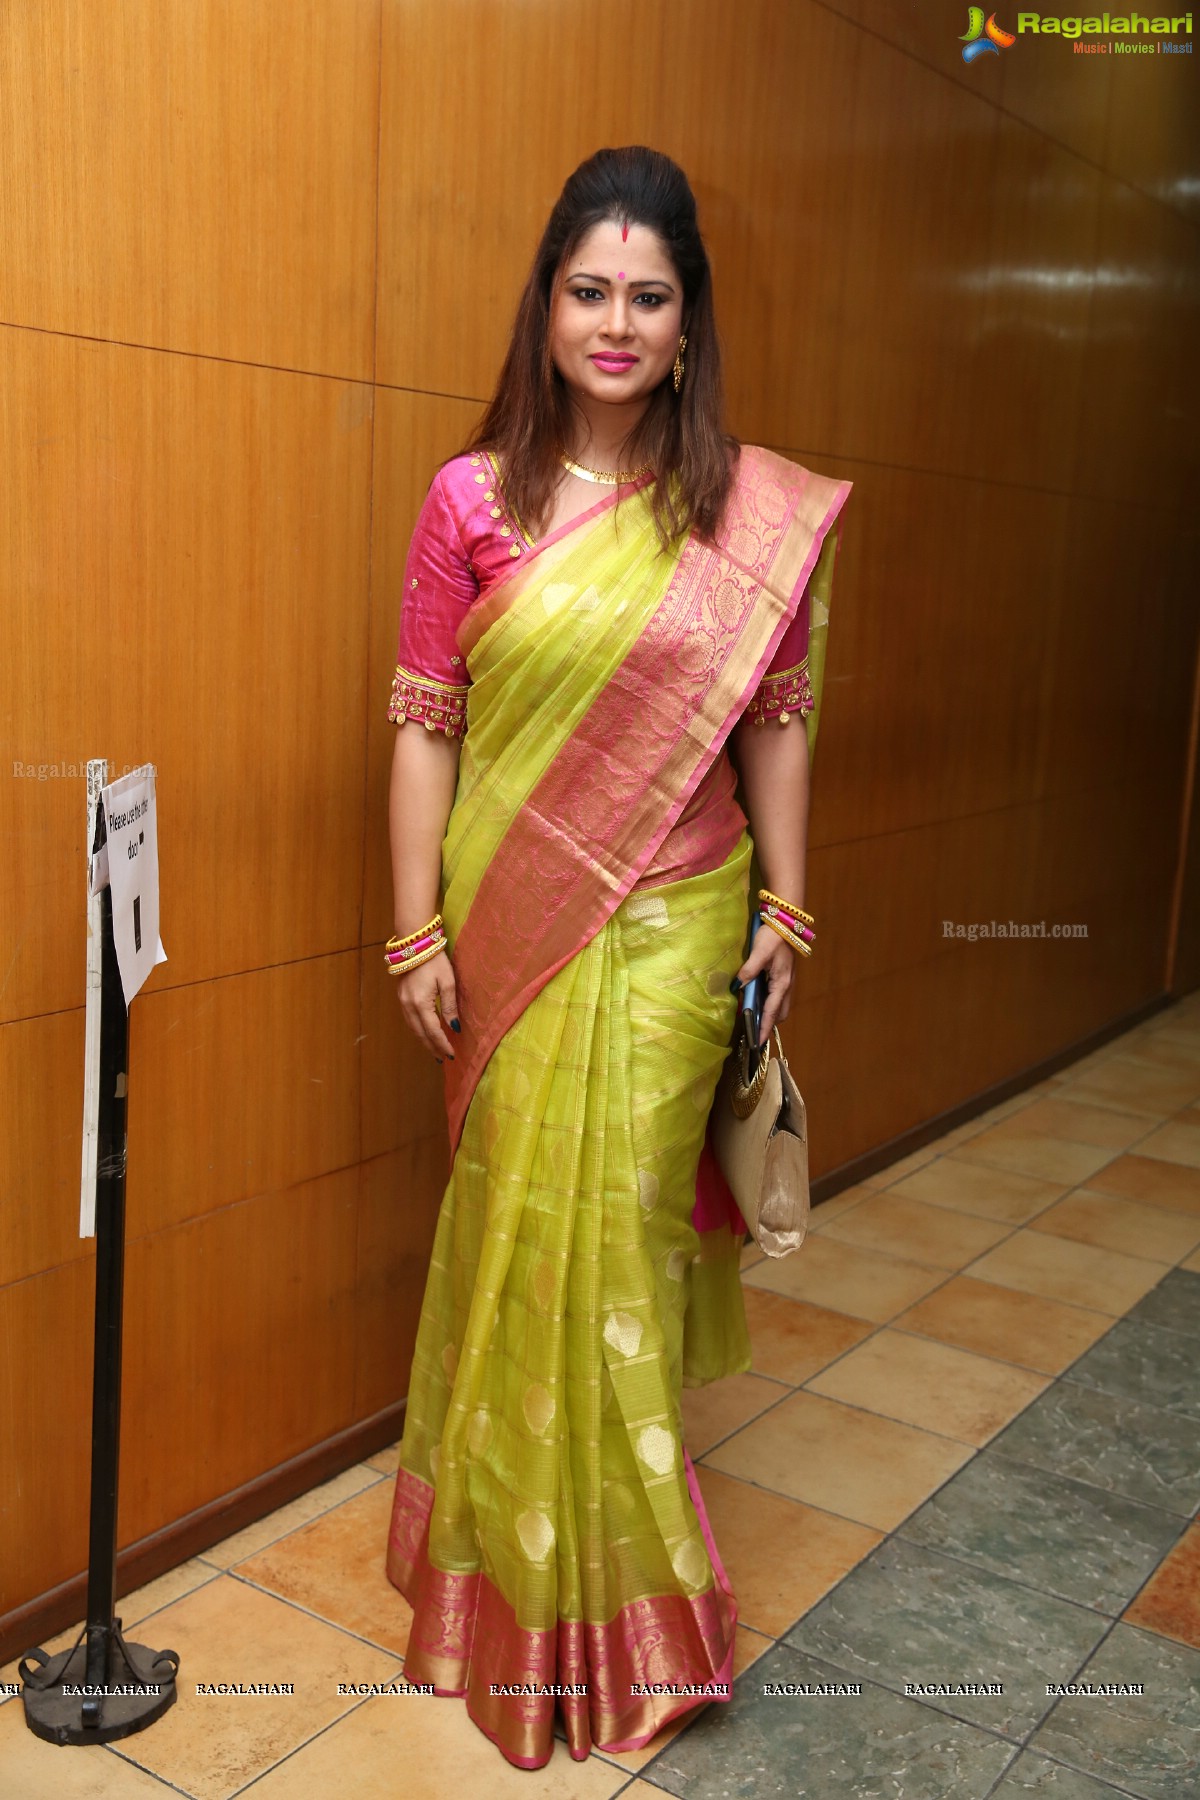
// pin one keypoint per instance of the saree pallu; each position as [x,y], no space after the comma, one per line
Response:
[548,1528]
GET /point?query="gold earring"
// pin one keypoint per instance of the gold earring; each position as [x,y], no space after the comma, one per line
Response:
[677,371]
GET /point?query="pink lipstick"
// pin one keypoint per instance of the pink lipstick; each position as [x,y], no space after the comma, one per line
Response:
[614,364]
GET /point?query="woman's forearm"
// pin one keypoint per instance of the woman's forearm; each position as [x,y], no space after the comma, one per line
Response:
[423,783]
[773,761]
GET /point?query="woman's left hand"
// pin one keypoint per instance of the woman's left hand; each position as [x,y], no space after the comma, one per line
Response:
[769,952]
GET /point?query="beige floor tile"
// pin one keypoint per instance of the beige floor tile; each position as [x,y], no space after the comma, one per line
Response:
[974,1187]
[425,1746]
[1083,1065]
[1080,1274]
[833,1208]
[747,1648]
[781,1556]
[710,1413]
[1014,1147]
[930,1385]
[162,1591]
[1123,1225]
[905,1165]
[1002,1322]
[1079,1123]
[845,1279]
[1192,1262]
[286,1518]
[131,1608]
[385,1461]
[854,1464]
[1173,1186]
[334,1567]
[1168,1050]
[31,1769]
[210,1746]
[895,1224]
[1134,1086]
[1174,1142]
[791,1339]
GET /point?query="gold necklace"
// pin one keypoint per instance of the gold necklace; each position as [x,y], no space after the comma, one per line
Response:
[613,477]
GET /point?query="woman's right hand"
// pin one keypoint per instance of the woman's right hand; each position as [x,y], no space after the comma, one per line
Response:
[420,992]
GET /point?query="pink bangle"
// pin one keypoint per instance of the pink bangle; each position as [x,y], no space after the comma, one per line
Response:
[421,943]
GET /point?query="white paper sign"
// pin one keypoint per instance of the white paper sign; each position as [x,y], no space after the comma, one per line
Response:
[97,775]
[129,864]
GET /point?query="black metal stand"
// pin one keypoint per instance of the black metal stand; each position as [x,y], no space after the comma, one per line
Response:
[104,1688]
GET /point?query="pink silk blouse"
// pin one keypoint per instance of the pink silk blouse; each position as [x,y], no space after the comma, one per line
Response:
[466,539]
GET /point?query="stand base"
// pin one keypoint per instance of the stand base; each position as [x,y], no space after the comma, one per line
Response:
[139,1689]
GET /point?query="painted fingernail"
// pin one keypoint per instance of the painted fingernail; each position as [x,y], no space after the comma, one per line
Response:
[734,985]
[454,1025]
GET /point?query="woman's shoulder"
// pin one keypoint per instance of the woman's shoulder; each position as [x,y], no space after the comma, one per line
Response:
[461,478]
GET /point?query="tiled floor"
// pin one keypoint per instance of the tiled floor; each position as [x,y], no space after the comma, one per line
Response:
[968,1455]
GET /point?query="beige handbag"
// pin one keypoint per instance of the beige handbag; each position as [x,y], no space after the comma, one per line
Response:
[760,1140]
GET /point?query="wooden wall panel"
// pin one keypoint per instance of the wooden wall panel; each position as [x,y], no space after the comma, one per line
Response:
[41,1078]
[1138,440]
[185,544]
[241,1086]
[194,174]
[399,1197]
[46,1336]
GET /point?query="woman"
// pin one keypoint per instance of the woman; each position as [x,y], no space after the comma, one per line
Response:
[602,596]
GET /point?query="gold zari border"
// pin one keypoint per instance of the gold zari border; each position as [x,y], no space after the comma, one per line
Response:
[780,694]
[439,705]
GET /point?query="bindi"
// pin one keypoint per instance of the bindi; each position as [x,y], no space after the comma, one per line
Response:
[620,274]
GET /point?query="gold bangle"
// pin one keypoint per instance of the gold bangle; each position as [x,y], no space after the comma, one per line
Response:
[789,937]
[425,955]
[797,912]
[398,943]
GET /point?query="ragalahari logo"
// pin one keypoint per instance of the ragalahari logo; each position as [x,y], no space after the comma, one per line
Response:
[980,39]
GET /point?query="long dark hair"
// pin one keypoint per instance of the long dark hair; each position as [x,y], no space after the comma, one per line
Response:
[528,419]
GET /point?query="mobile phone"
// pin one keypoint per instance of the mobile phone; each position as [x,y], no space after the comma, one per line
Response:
[754,993]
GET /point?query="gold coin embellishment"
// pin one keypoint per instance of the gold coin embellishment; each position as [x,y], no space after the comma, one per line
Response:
[515,551]
[506,531]
[495,512]
[413,582]
[481,479]
[474,462]
[491,494]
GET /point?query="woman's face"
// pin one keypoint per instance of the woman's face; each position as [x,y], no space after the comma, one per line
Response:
[616,320]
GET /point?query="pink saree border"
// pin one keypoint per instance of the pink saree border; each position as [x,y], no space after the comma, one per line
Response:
[465,1637]
[481,966]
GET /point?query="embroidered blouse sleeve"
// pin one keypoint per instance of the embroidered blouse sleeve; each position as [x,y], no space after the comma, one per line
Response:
[430,683]
[784,690]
